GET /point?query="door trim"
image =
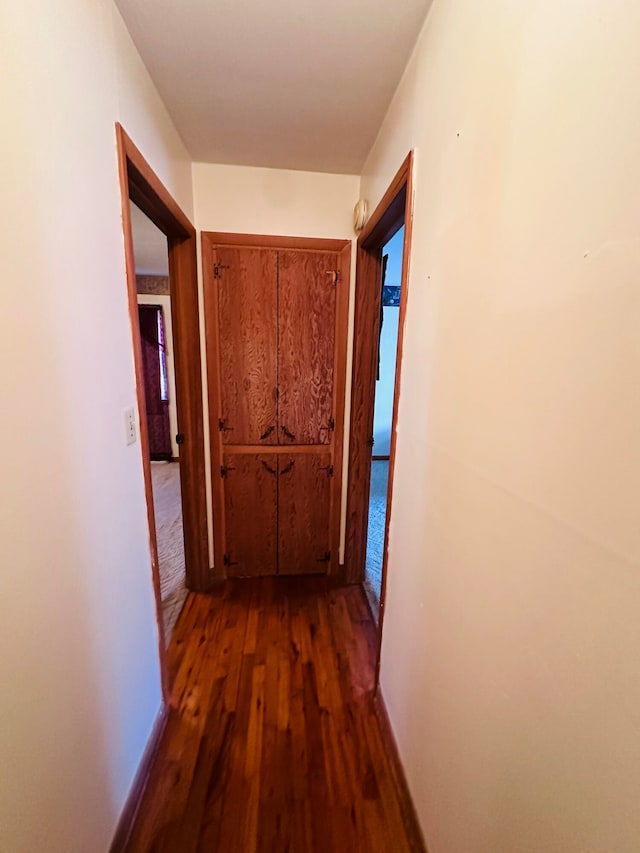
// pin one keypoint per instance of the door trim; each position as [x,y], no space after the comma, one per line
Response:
[140,184]
[270,241]
[210,239]
[394,210]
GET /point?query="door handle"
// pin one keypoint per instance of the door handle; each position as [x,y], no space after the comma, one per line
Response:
[268,467]
[288,467]
[267,433]
[288,433]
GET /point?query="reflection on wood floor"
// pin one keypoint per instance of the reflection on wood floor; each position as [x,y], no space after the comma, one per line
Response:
[273,742]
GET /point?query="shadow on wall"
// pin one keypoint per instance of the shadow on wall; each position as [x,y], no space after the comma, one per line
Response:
[81,685]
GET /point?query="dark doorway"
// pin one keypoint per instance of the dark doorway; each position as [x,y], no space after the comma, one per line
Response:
[156,380]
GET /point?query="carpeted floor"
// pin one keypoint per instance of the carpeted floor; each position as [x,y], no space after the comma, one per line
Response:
[375,533]
[168,511]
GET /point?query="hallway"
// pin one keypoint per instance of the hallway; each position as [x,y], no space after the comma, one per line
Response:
[273,742]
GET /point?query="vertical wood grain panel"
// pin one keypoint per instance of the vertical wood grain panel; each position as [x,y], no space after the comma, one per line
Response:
[247,316]
[251,501]
[212,339]
[365,359]
[183,277]
[306,345]
[304,488]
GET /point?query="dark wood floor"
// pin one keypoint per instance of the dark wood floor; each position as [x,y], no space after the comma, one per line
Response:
[272,742]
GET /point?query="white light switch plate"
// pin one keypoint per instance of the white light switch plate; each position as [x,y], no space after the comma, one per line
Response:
[130,425]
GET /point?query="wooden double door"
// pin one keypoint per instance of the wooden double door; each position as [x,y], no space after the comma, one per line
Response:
[275,324]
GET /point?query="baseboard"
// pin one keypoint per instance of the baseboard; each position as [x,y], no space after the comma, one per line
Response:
[409,816]
[130,811]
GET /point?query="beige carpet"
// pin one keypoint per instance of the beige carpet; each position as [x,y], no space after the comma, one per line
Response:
[168,511]
[375,532]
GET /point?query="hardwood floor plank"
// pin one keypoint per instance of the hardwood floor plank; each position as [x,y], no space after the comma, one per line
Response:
[273,744]
[172,773]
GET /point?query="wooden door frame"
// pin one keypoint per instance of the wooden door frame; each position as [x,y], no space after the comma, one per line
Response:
[343,248]
[139,184]
[394,210]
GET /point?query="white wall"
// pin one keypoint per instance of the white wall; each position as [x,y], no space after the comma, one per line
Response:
[79,667]
[165,302]
[250,200]
[274,201]
[511,634]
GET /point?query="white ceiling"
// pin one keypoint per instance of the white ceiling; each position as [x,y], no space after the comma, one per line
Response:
[149,245]
[294,84]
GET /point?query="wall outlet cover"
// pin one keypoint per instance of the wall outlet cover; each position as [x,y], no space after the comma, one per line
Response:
[130,425]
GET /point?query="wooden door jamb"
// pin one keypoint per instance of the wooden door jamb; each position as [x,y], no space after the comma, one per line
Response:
[394,210]
[140,184]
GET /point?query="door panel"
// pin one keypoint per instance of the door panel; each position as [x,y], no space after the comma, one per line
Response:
[304,487]
[306,345]
[247,319]
[250,505]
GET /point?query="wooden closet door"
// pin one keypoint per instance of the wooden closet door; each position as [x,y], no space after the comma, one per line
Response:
[306,345]
[247,322]
[304,487]
[250,506]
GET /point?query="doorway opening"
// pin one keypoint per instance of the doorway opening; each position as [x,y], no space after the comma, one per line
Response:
[141,186]
[155,321]
[387,231]
[391,281]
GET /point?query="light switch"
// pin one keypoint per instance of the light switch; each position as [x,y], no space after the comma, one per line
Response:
[130,425]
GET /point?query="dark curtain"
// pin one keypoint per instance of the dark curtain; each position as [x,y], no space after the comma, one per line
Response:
[154,367]
[385,261]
